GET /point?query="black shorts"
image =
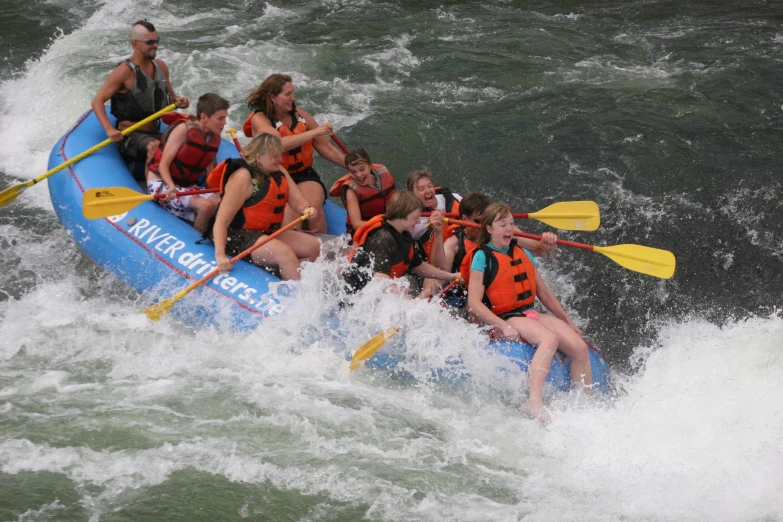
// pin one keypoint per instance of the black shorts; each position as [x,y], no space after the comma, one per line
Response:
[309,174]
[133,147]
[238,241]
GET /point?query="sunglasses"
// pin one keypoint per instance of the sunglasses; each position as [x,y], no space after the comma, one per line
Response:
[149,42]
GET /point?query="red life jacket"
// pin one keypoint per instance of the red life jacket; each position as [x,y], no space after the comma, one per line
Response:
[193,157]
[372,200]
[509,280]
[402,258]
[297,159]
[264,209]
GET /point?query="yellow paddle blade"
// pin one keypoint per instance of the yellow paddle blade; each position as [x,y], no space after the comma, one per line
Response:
[11,193]
[369,348]
[156,311]
[112,201]
[646,260]
[570,215]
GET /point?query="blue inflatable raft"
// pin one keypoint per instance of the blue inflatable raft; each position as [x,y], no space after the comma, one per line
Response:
[154,252]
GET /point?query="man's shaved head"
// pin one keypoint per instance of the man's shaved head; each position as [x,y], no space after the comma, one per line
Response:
[140,30]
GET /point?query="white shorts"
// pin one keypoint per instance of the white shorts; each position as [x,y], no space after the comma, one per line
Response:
[179,206]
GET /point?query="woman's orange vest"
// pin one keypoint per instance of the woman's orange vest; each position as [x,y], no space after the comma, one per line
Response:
[297,159]
[263,211]
[509,280]
[402,258]
[372,200]
[193,157]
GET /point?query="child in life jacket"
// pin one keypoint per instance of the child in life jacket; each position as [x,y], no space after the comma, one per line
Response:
[503,285]
[384,245]
[365,190]
[463,240]
[187,152]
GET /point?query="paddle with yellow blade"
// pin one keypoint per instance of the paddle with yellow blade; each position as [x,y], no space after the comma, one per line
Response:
[156,311]
[112,201]
[11,193]
[566,215]
[642,259]
[369,348]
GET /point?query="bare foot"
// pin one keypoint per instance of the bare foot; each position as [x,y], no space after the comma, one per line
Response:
[538,412]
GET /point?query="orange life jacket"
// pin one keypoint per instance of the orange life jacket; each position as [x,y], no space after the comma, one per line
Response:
[264,209]
[372,200]
[193,157]
[402,258]
[297,159]
[509,279]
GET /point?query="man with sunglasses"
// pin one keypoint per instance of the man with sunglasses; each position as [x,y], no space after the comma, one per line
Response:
[138,87]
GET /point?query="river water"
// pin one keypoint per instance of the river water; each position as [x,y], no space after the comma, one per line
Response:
[668,114]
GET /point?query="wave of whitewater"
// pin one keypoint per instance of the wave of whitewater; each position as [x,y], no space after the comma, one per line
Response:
[111,407]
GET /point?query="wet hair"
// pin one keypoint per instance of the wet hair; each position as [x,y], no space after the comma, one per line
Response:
[474,203]
[260,99]
[355,156]
[210,103]
[493,212]
[416,175]
[402,203]
[145,24]
[262,144]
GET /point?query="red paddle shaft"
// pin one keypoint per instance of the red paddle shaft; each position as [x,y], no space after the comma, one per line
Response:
[525,234]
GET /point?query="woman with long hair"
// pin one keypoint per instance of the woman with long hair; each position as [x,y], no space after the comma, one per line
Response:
[275,112]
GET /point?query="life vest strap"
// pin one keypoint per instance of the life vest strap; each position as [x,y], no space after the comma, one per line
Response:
[523,296]
[520,277]
[516,262]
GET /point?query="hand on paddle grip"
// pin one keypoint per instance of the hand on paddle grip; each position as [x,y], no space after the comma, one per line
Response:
[224,263]
[437,221]
[548,243]
[325,129]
